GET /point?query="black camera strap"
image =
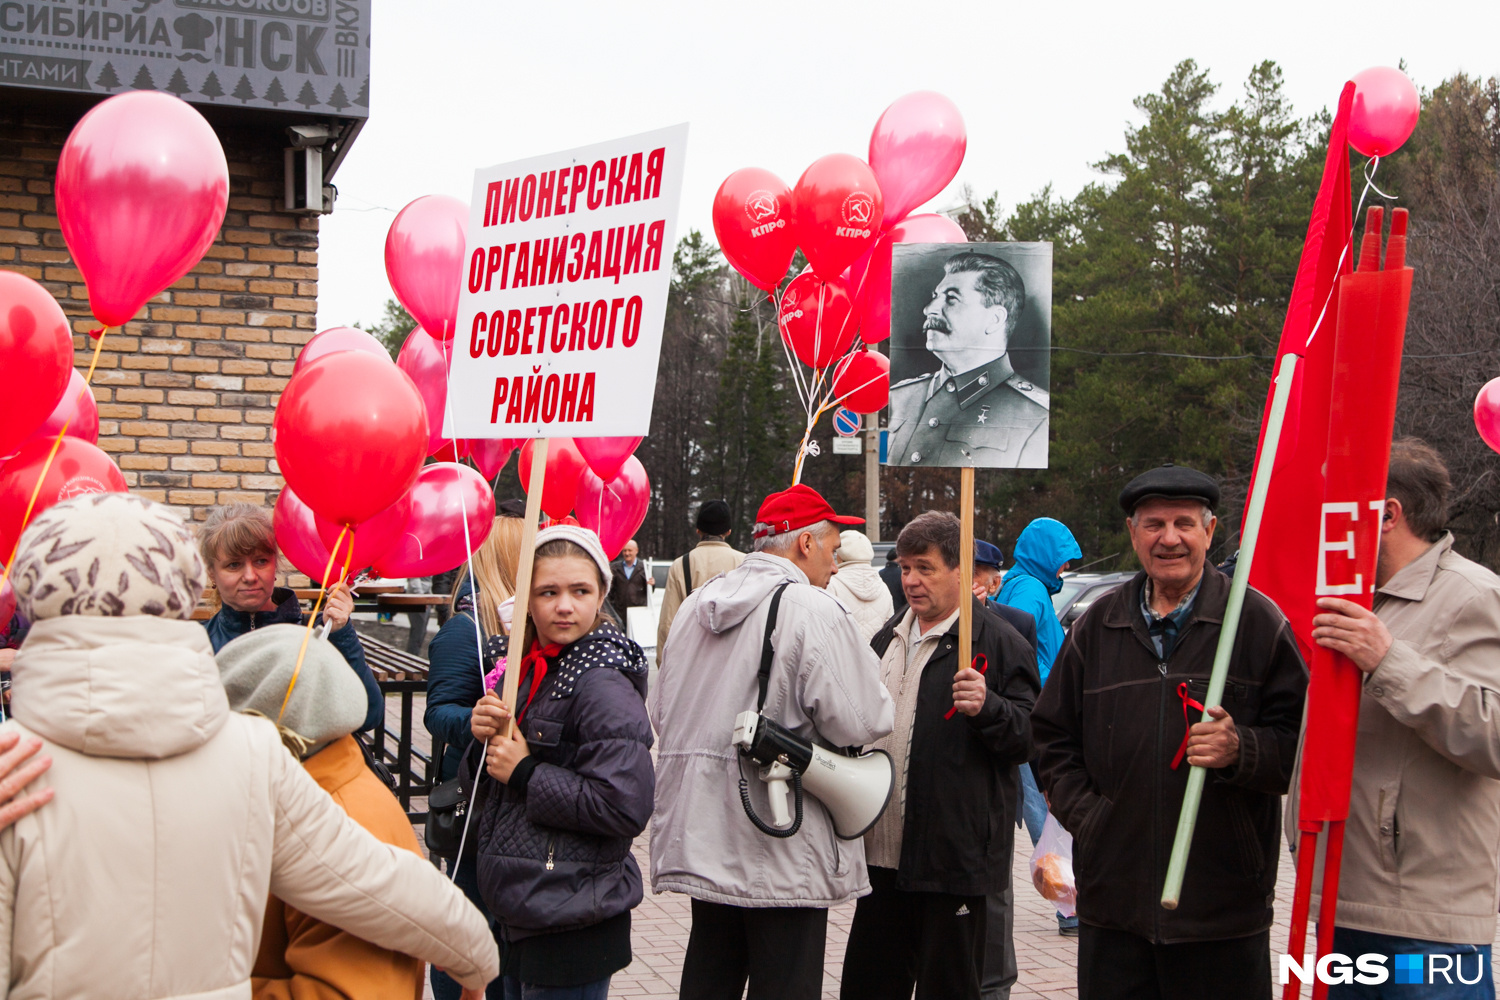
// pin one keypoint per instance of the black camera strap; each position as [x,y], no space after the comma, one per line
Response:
[767,650]
[687,573]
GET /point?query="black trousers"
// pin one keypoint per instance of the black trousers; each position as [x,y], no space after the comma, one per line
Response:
[931,940]
[1118,965]
[1000,970]
[778,949]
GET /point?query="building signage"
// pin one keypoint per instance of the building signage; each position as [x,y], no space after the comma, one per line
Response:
[305,56]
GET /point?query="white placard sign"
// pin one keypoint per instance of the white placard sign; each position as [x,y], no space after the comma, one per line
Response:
[564,295]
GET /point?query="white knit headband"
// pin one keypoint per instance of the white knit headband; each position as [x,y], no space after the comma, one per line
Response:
[584,539]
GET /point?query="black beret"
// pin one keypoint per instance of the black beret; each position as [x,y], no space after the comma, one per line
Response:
[713,517]
[511,508]
[1170,482]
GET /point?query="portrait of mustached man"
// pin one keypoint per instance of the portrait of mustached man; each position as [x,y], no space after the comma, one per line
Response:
[975,408]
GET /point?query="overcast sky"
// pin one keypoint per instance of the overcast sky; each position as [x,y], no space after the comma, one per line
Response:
[1045,88]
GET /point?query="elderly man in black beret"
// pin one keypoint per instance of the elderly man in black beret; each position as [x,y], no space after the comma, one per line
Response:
[1116,728]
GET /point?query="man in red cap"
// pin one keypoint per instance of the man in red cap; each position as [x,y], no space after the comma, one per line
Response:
[760,902]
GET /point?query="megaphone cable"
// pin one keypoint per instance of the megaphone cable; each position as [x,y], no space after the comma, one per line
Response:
[762,825]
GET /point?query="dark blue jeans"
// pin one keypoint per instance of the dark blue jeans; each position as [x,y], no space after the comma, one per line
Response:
[516,990]
[1461,962]
[443,987]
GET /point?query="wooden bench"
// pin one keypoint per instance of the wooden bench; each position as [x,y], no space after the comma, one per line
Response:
[405,674]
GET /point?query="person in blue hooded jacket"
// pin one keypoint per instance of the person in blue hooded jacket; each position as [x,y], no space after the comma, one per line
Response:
[1043,551]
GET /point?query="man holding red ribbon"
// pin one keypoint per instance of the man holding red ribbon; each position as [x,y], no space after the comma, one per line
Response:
[943,844]
[1117,731]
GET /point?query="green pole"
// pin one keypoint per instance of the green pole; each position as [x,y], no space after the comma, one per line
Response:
[1250,534]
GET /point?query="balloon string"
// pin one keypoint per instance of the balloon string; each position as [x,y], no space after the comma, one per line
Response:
[318,604]
[1371,166]
[47,465]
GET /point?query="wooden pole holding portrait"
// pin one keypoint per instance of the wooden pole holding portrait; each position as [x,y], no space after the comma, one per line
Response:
[966,566]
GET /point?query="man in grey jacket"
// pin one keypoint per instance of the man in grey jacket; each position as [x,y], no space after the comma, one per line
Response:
[1419,869]
[760,903]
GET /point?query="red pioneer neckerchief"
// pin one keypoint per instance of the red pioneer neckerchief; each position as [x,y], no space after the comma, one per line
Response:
[534,664]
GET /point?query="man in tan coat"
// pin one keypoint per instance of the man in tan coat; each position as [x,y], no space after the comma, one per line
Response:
[1419,869]
[710,557]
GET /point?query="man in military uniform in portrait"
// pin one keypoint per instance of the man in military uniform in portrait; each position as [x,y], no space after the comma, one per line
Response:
[975,409]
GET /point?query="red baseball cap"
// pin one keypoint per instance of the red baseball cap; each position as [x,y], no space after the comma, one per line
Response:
[796,508]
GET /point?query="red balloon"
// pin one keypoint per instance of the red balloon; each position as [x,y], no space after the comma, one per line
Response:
[297,538]
[614,510]
[424,260]
[447,453]
[491,454]
[753,224]
[76,410]
[443,497]
[915,150]
[36,353]
[837,211]
[339,338]
[371,539]
[606,455]
[862,381]
[350,435]
[870,277]
[426,361]
[142,185]
[1487,413]
[1385,111]
[817,319]
[565,465]
[76,469]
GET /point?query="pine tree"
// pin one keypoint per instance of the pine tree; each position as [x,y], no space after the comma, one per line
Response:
[243,92]
[211,88]
[363,97]
[178,84]
[307,97]
[107,78]
[143,80]
[338,100]
[393,327]
[274,93]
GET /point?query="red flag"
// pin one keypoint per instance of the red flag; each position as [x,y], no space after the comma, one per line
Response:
[1285,568]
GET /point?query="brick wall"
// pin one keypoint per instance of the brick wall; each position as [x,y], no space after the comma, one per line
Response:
[186,391]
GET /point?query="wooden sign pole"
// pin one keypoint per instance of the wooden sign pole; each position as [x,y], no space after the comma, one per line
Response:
[966,566]
[523,580]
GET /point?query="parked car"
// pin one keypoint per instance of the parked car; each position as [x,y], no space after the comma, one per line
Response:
[1080,590]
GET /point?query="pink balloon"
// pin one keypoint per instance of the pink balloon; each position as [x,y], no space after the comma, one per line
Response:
[870,277]
[142,185]
[915,150]
[424,260]
[1487,413]
[491,454]
[817,319]
[339,338]
[433,539]
[372,539]
[606,455]
[614,510]
[426,360]
[862,381]
[297,536]
[837,208]
[76,409]
[1385,111]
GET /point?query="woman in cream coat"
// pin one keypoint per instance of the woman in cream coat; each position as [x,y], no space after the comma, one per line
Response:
[146,878]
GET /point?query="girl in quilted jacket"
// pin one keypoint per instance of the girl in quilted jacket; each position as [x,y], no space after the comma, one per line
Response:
[571,787]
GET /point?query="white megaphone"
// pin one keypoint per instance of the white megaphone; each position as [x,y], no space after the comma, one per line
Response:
[854,789]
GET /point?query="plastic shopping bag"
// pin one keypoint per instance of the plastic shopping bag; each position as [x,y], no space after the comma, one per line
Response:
[1052,867]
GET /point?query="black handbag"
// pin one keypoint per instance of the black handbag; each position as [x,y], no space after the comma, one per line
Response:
[448,803]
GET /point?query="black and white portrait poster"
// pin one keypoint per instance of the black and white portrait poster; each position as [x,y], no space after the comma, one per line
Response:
[971,331]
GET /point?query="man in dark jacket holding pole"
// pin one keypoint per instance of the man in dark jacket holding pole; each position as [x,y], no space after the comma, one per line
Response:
[1116,737]
[944,841]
